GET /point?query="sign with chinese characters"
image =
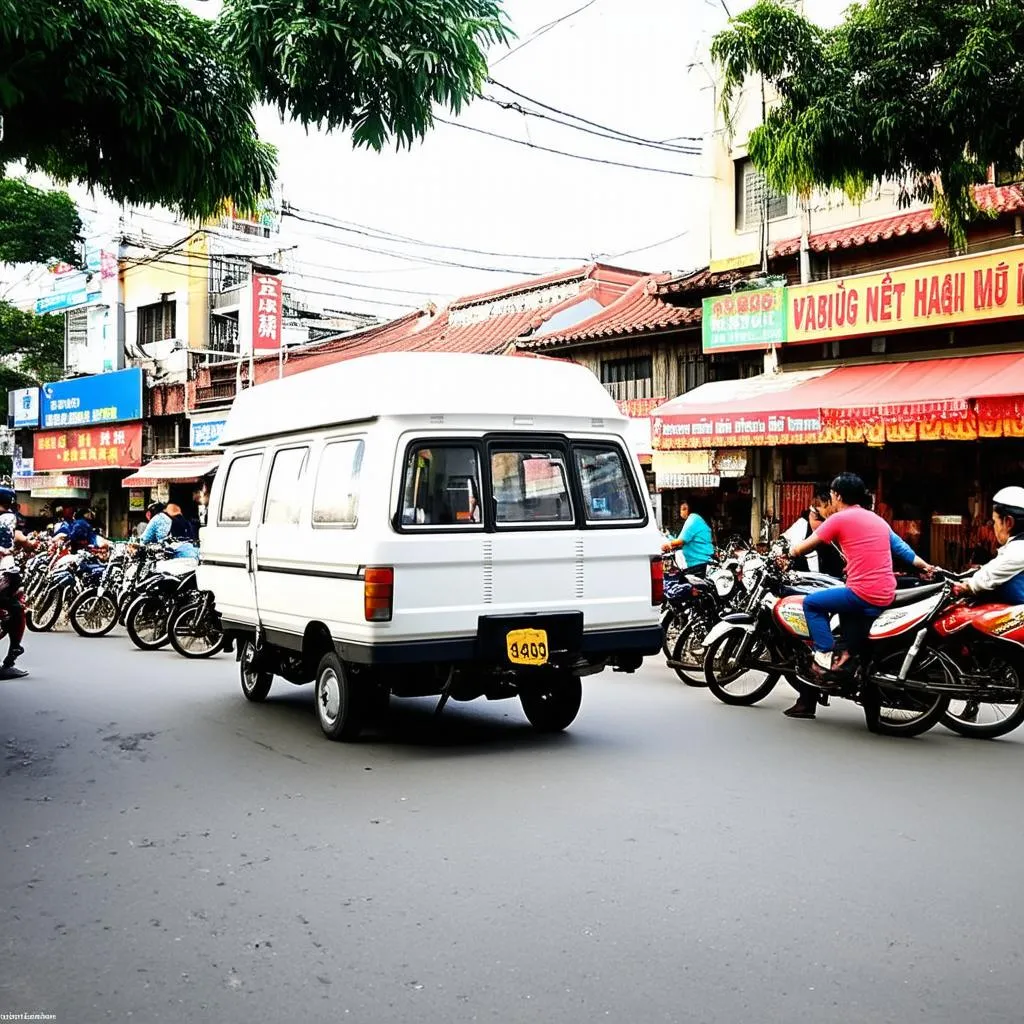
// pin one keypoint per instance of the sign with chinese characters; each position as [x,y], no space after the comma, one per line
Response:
[266,311]
[536,298]
[89,448]
[744,321]
[23,407]
[86,401]
[206,432]
[22,467]
[966,289]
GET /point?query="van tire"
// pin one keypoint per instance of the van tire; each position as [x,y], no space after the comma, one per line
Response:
[553,706]
[255,684]
[337,702]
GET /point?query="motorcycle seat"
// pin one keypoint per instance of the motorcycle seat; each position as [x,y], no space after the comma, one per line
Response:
[914,594]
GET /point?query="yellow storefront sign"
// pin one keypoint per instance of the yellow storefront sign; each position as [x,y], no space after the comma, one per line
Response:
[963,290]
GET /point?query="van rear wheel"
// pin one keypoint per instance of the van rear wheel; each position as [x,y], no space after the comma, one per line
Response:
[552,705]
[255,683]
[337,702]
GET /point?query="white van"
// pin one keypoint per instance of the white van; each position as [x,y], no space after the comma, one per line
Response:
[432,524]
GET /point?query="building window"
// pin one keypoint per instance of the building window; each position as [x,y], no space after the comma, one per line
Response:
[1009,176]
[155,322]
[227,273]
[735,367]
[223,333]
[750,195]
[628,378]
[693,369]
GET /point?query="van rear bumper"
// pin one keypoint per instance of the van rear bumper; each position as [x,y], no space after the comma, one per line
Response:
[604,643]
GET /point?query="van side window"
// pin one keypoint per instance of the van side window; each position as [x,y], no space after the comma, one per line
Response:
[531,487]
[282,504]
[336,498]
[240,489]
[608,494]
[442,487]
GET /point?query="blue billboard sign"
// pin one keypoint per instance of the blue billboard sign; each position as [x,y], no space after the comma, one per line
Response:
[206,433]
[86,401]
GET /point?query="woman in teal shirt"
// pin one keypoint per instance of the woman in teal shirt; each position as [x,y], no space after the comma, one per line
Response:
[694,538]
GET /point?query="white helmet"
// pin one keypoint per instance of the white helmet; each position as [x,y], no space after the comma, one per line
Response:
[1010,501]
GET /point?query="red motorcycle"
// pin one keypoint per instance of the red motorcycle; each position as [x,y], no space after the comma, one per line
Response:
[983,645]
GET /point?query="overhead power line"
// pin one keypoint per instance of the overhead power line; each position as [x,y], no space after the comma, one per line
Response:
[657,146]
[543,30]
[653,245]
[592,124]
[562,152]
[389,236]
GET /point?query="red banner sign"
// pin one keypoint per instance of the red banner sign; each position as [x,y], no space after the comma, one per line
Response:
[266,311]
[90,448]
[739,430]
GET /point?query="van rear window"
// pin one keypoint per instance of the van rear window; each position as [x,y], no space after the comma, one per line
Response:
[240,489]
[607,493]
[531,487]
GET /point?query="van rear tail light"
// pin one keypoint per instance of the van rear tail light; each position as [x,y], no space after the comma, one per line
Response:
[378,594]
[657,581]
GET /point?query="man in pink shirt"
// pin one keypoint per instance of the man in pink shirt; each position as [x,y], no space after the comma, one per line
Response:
[868,546]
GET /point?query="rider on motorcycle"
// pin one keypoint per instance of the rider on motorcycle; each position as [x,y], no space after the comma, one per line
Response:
[868,544]
[1002,579]
[695,540]
[10,536]
[168,524]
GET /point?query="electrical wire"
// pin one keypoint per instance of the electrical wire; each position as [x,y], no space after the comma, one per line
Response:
[653,245]
[389,236]
[542,31]
[657,146]
[583,120]
[573,156]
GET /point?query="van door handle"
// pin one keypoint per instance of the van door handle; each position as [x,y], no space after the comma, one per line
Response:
[249,567]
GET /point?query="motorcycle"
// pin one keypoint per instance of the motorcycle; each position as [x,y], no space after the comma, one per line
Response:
[900,682]
[67,578]
[982,645]
[94,612]
[161,595]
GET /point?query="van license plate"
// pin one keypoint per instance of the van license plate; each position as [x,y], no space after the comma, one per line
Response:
[527,646]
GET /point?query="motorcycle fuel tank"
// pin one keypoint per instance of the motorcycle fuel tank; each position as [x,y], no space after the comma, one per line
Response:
[789,614]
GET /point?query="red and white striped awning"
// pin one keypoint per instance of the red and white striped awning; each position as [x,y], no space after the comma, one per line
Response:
[185,470]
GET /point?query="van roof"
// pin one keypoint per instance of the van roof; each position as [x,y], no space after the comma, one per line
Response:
[419,384]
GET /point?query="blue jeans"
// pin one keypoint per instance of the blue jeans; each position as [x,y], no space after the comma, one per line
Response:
[855,617]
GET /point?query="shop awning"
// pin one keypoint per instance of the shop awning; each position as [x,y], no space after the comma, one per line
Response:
[962,398]
[186,470]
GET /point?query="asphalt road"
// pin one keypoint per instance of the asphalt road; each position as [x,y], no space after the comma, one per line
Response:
[172,853]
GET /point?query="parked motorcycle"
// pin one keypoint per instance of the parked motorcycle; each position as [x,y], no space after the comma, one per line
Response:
[67,578]
[94,611]
[899,680]
[160,597]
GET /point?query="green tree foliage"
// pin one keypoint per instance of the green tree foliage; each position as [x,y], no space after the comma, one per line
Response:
[922,93]
[37,226]
[31,349]
[154,105]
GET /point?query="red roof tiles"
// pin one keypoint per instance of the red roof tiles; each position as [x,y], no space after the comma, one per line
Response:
[994,198]
[639,310]
[703,280]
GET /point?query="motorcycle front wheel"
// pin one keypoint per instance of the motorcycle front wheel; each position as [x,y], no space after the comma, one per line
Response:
[146,622]
[43,617]
[980,719]
[93,614]
[729,679]
[194,635]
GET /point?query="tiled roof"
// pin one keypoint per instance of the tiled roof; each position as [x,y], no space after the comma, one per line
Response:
[699,281]
[995,198]
[639,310]
[456,329]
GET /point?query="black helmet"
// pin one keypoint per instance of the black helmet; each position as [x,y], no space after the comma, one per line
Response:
[7,496]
